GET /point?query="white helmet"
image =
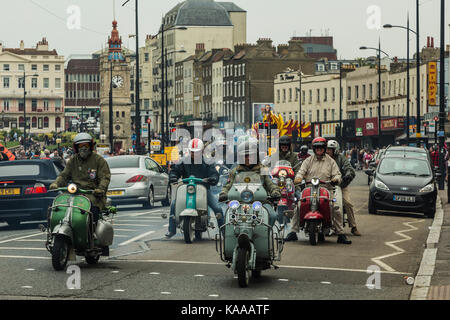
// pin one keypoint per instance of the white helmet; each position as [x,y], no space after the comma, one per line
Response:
[333,144]
[195,145]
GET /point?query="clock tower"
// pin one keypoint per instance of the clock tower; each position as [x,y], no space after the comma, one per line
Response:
[115,92]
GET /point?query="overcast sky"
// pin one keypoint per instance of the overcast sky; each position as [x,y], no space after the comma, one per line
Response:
[352,23]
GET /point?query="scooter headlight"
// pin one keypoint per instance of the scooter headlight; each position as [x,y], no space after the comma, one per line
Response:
[190,189]
[247,196]
[233,205]
[257,206]
[282,173]
[315,182]
[72,188]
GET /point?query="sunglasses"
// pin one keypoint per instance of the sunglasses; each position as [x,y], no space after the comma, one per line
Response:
[85,144]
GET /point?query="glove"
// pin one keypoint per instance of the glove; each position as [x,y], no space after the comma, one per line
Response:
[98,192]
[346,180]
[210,180]
[223,197]
[173,179]
[275,194]
[53,186]
[334,181]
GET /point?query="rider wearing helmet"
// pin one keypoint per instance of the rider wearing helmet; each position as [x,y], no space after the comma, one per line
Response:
[245,151]
[194,165]
[303,154]
[321,166]
[348,174]
[286,153]
[87,170]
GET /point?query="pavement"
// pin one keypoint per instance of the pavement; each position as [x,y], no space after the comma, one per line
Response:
[432,281]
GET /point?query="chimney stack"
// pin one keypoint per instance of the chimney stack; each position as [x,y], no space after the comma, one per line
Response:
[22,45]
[432,42]
[199,49]
[428,42]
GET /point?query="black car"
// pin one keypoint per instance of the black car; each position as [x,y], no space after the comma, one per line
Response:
[402,183]
[24,188]
[414,152]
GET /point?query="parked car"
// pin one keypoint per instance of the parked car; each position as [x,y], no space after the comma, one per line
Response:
[402,183]
[412,152]
[24,188]
[138,179]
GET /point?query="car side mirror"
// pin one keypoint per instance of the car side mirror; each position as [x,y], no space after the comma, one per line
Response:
[370,172]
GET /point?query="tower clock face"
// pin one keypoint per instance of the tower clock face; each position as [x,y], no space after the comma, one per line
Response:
[117,81]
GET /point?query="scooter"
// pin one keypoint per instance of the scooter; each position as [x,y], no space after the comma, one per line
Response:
[316,203]
[191,209]
[246,242]
[70,228]
[283,176]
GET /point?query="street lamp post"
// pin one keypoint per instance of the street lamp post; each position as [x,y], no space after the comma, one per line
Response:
[25,109]
[379,84]
[442,100]
[300,103]
[408,29]
[111,133]
[418,126]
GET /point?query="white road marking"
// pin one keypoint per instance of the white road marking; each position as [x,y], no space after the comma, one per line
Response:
[25,257]
[136,238]
[165,292]
[142,213]
[29,269]
[31,240]
[281,266]
[119,290]
[263,298]
[115,271]
[120,236]
[199,275]
[23,237]
[19,248]
[125,229]
[391,244]
[136,220]
[154,273]
[213,295]
[132,225]
[325,282]
[27,287]
[285,280]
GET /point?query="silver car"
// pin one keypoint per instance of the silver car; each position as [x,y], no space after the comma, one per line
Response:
[138,179]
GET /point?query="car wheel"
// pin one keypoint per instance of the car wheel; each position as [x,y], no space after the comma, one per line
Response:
[431,212]
[150,203]
[166,202]
[372,207]
[13,223]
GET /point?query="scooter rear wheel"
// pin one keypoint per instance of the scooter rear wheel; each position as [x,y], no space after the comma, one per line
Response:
[241,267]
[92,260]
[60,253]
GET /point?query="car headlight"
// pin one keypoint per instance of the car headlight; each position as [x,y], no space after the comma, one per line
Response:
[427,188]
[190,189]
[380,185]
[247,196]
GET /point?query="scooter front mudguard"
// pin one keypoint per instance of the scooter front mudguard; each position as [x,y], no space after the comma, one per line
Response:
[189,213]
[244,241]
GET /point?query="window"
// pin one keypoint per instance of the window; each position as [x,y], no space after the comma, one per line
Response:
[34,122]
[58,105]
[318,95]
[349,93]
[310,96]
[57,122]
[6,105]
[325,95]
[20,83]
[20,105]
[6,67]
[290,94]
[146,55]
[370,91]
[45,122]
[34,105]
[45,105]
[46,83]
[57,68]
[146,103]
[34,67]
[303,97]
[356,92]
[34,82]
[5,82]
[21,67]
[318,116]
[364,92]
[46,68]
[333,94]
[58,83]
[123,114]
[383,90]
[325,115]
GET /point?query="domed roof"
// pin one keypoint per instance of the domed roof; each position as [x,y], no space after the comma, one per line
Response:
[198,13]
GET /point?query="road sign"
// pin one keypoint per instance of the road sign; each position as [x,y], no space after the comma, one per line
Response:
[440,133]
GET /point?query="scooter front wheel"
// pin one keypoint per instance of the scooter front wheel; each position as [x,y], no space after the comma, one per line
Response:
[92,260]
[313,234]
[189,229]
[242,267]
[60,253]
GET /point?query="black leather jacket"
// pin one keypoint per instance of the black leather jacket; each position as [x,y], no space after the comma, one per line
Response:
[199,171]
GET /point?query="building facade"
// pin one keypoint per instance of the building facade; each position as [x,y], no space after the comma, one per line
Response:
[43,71]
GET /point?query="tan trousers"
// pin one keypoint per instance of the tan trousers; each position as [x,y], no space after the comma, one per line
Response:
[336,220]
[348,207]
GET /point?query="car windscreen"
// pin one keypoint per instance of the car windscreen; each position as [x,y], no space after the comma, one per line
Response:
[20,170]
[415,154]
[123,162]
[404,166]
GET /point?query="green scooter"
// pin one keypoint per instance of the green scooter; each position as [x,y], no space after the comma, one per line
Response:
[247,242]
[70,228]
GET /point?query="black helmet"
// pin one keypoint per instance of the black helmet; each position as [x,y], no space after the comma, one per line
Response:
[285,141]
[304,149]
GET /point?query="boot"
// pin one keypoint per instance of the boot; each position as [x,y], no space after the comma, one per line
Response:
[355,232]
[169,235]
[292,236]
[343,239]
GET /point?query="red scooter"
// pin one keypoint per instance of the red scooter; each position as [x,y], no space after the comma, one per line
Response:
[283,175]
[315,210]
